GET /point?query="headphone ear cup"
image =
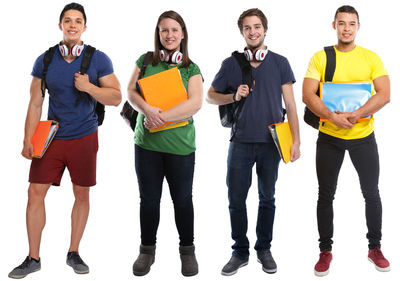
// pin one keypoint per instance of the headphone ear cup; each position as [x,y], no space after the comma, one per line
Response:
[164,56]
[63,50]
[248,54]
[176,57]
[260,55]
[77,50]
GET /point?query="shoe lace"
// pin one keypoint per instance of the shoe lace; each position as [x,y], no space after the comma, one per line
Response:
[25,264]
[378,253]
[323,257]
[77,259]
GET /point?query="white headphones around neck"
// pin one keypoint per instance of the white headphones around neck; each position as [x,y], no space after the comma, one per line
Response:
[75,50]
[173,57]
[259,55]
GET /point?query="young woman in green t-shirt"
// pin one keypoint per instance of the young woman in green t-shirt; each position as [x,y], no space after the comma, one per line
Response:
[169,153]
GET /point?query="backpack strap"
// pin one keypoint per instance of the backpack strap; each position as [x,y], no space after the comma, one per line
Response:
[148,58]
[48,56]
[330,63]
[247,79]
[245,67]
[87,58]
[85,64]
[309,117]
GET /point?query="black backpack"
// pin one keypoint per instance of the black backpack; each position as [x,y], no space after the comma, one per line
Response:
[309,117]
[85,64]
[128,113]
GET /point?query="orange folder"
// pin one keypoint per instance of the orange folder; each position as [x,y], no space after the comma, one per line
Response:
[44,134]
[164,90]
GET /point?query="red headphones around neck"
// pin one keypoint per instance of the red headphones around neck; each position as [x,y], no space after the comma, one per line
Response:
[259,55]
[171,57]
[75,50]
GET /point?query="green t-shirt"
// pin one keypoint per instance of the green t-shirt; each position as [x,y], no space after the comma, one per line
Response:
[179,140]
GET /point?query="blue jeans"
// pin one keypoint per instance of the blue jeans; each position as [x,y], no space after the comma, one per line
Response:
[241,159]
[151,168]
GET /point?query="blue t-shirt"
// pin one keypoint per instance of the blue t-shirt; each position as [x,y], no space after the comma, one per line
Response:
[263,106]
[74,110]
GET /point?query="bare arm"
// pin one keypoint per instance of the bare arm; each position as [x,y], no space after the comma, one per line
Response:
[109,92]
[153,114]
[315,104]
[190,106]
[215,97]
[376,102]
[290,104]
[33,116]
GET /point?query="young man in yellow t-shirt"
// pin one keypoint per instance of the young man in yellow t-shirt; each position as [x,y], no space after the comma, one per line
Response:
[343,132]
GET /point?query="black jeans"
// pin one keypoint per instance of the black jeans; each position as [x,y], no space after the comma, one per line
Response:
[151,168]
[364,156]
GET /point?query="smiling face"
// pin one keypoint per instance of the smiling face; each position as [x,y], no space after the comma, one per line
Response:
[346,26]
[170,34]
[253,32]
[72,26]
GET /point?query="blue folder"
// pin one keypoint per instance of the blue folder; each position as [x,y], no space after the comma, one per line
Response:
[345,97]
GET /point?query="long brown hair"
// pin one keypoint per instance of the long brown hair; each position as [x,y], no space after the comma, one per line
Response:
[184,43]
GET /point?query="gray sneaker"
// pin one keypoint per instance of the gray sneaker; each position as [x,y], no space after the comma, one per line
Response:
[233,265]
[77,264]
[28,266]
[265,258]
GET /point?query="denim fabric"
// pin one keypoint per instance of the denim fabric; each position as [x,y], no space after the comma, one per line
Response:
[329,158]
[241,159]
[151,168]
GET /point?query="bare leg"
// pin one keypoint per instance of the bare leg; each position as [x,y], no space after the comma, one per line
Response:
[79,216]
[36,216]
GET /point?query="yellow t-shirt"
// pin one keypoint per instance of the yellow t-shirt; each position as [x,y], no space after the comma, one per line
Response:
[357,65]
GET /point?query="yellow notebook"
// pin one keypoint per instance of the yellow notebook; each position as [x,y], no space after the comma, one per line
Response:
[164,90]
[283,140]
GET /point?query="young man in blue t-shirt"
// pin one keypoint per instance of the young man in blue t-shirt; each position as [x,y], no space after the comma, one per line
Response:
[72,101]
[251,142]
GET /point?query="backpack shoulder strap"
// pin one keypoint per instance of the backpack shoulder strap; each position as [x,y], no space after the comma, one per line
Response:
[330,63]
[87,58]
[245,67]
[48,57]
[148,58]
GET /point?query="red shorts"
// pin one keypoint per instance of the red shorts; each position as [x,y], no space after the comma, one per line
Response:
[78,155]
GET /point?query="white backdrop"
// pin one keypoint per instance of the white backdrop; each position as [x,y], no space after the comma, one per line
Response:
[124,30]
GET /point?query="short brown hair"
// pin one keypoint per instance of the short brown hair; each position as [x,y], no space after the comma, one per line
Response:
[347,9]
[253,12]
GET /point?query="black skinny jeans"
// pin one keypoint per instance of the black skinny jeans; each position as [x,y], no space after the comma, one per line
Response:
[329,158]
[151,168]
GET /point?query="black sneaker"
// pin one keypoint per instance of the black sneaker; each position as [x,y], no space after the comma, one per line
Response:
[28,266]
[265,258]
[233,265]
[78,265]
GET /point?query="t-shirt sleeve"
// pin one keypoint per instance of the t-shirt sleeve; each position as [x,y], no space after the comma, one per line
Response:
[140,61]
[378,69]
[104,64]
[286,73]
[37,70]
[220,82]
[315,67]
[194,70]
